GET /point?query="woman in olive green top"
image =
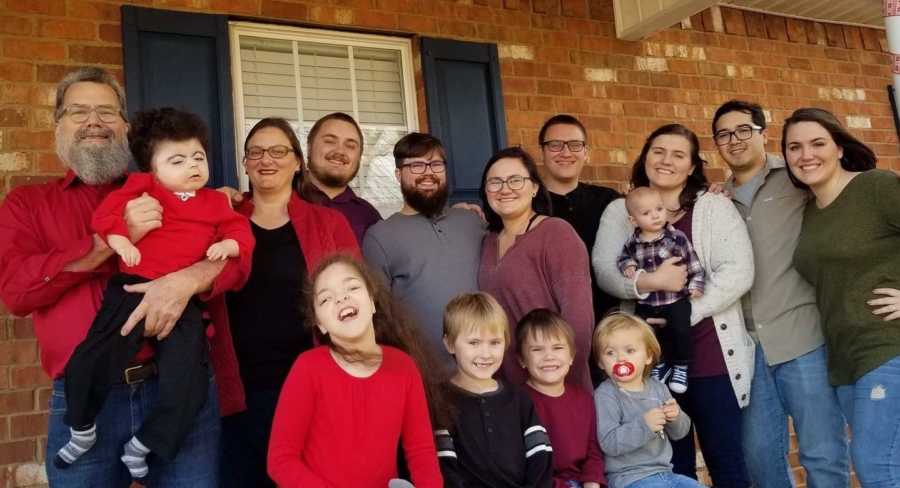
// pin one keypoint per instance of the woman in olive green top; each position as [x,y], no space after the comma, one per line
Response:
[850,246]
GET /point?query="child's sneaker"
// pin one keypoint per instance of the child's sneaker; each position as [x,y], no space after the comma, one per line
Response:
[661,372]
[679,381]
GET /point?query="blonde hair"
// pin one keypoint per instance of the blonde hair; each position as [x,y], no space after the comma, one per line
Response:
[547,323]
[617,321]
[632,198]
[474,311]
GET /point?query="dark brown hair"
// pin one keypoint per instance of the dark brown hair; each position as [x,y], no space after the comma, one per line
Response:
[696,181]
[857,156]
[561,119]
[546,322]
[417,144]
[285,127]
[150,127]
[394,327]
[540,203]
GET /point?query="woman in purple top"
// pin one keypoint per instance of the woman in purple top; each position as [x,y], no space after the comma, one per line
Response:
[722,364]
[531,261]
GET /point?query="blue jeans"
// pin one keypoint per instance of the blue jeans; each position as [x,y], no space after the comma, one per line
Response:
[716,416]
[666,480]
[197,463]
[872,407]
[798,388]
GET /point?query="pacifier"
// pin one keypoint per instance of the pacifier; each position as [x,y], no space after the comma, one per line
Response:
[623,369]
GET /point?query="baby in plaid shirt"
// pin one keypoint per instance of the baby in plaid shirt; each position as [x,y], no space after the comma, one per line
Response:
[653,242]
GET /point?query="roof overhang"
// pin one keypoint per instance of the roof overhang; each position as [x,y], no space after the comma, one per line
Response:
[636,19]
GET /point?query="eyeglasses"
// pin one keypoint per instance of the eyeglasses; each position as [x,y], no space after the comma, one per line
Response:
[741,133]
[276,152]
[514,182]
[557,145]
[80,113]
[418,167]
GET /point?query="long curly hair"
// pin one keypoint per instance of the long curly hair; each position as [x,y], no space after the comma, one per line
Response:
[696,181]
[394,327]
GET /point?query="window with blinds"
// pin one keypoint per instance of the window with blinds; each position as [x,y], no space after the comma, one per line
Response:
[304,74]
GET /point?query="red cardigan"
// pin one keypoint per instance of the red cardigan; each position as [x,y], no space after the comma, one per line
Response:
[321,232]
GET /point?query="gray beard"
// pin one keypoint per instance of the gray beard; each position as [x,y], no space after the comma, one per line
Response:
[96,165]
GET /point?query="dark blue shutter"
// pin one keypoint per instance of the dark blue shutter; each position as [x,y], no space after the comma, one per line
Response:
[465,107]
[181,59]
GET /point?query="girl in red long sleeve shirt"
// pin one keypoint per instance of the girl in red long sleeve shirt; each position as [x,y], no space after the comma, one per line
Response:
[347,404]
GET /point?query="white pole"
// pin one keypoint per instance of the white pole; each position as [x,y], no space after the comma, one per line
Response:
[892,25]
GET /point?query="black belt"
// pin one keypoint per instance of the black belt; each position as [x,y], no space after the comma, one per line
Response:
[139,373]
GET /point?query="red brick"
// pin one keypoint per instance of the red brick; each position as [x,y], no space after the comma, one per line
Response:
[235,6]
[574,8]
[545,6]
[834,35]
[29,139]
[31,425]
[776,28]
[49,163]
[511,4]
[872,39]
[16,402]
[734,21]
[93,10]
[796,30]
[755,23]
[554,87]
[373,18]
[456,28]
[12,93]
[95,54]
[815,33]
[418,24]
[28,377]
[17,451]
[45,7]
[4,429]
[16,71]
[18,352]
[111,33]
[284,10]
[15,25]
[22,328]
[51,73]
[13,117]
[68,29]
[852,37]
[28,49]
[519,85]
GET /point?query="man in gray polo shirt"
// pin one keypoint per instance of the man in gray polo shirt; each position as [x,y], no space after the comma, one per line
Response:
[428,253]
[790,377]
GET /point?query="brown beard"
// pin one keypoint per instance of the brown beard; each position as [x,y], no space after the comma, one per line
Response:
[428,205]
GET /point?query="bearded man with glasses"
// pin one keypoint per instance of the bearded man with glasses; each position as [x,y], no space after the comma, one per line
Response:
[427,252]
[55,267]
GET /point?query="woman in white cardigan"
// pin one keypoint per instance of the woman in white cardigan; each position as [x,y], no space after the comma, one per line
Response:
[722,368]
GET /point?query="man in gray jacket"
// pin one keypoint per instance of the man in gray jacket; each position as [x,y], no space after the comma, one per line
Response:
[790,376]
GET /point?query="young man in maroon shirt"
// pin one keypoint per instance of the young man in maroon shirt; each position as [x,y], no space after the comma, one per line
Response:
[54,267]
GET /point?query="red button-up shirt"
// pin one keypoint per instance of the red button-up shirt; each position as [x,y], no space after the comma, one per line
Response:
[45,227]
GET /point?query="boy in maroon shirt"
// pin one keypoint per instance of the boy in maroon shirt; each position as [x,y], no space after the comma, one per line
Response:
[546,345]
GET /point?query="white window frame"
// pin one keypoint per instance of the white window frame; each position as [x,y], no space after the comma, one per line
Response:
[321,36]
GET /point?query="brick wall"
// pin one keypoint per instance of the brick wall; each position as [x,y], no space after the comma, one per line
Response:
[556,56]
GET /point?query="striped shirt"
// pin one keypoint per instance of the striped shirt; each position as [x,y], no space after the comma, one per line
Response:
[496,441]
